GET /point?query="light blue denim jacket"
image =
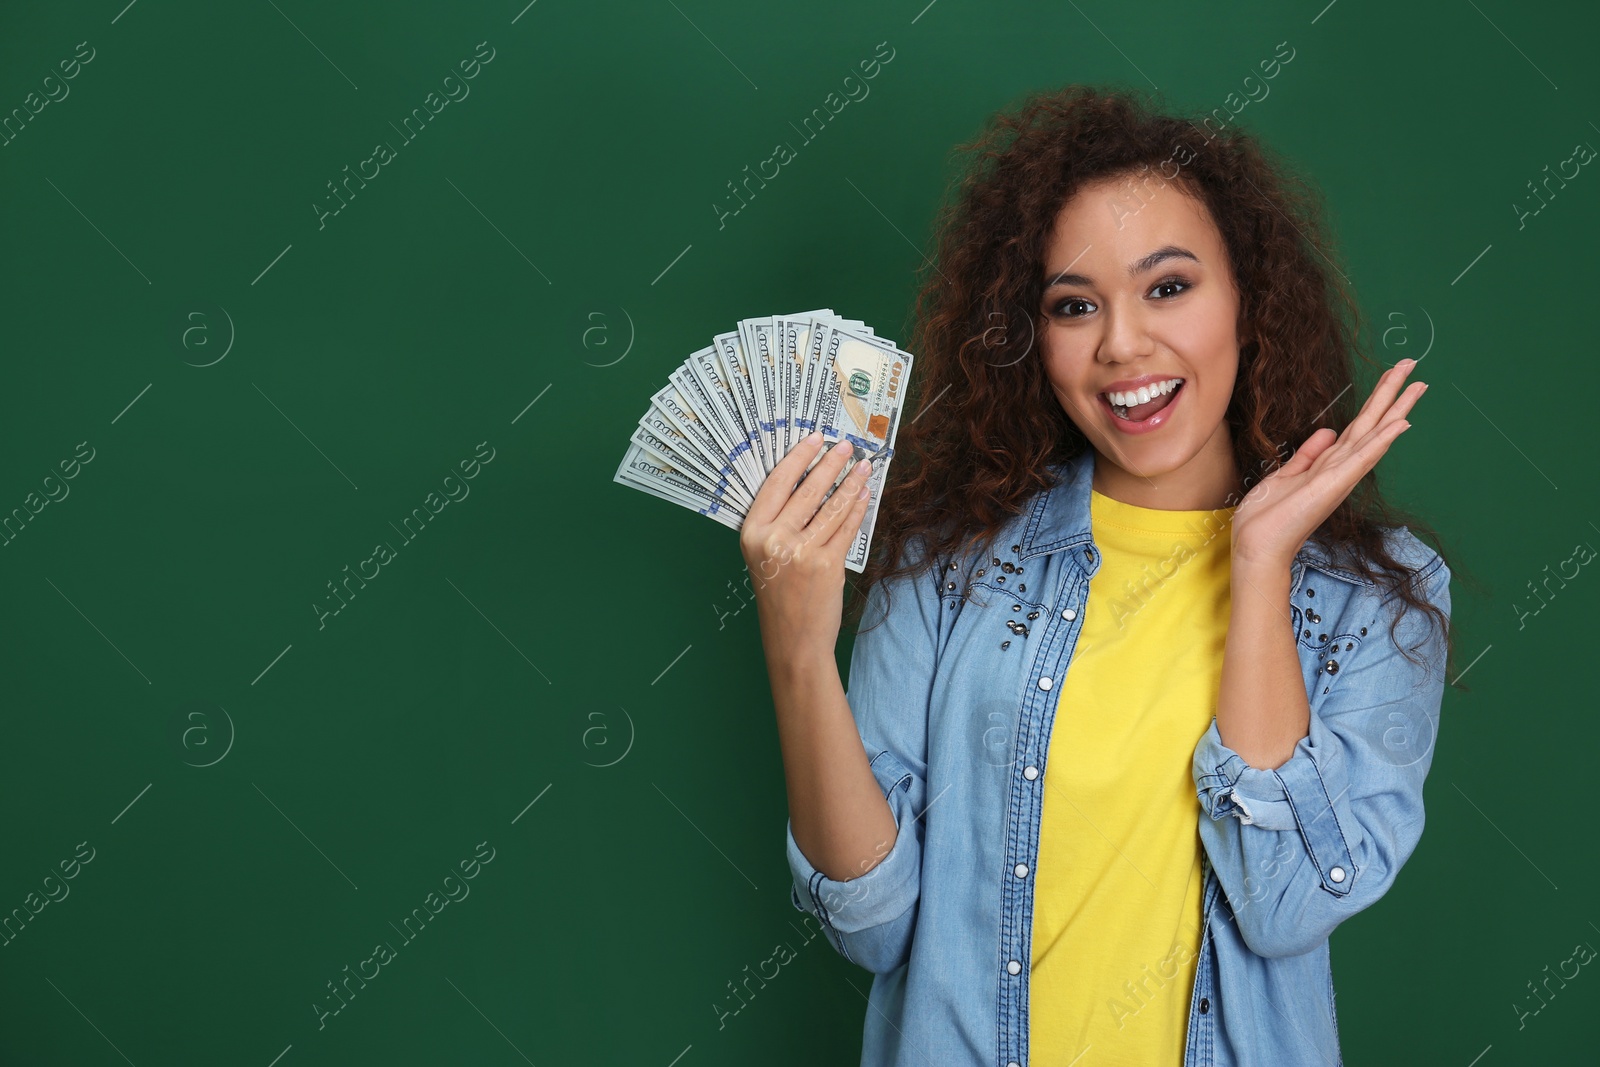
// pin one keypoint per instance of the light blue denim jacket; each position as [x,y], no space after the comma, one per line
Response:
[957,731]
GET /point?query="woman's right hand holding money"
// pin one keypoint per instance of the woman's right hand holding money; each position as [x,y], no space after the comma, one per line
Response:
[795,550]
[795,545]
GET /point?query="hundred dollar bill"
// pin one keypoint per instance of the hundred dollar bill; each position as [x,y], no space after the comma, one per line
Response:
[734,409]
[671,419]
[815,360]
[758,338]
[859,400]
[863,389]
[794,335]
[737,371]
[704,385]
[661,479]
[678,455]
[811,368]
[670,412]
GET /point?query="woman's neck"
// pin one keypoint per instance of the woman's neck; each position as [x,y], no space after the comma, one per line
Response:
[1209,481]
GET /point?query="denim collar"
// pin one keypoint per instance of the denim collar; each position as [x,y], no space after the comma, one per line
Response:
[1058,519]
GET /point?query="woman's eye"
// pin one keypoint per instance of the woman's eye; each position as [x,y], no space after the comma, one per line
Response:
[1064,308]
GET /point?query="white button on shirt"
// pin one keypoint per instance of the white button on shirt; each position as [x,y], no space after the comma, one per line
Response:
[1069,614]
[1030,773]
[1337,874]
[1045,682]
[1021,870]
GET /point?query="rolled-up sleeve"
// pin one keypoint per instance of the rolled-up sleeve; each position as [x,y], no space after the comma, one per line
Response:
[1302,847]
[870,920]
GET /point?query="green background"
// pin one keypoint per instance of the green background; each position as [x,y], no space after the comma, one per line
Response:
[554,666]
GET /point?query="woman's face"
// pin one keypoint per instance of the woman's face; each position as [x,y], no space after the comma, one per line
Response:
[1139,292]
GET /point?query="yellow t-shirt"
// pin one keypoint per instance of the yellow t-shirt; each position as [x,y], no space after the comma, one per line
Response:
[1116,907]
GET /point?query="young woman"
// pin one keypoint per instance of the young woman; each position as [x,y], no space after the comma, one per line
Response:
[1154,676]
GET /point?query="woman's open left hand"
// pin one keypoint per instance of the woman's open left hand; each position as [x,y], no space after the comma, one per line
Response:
[1274,519]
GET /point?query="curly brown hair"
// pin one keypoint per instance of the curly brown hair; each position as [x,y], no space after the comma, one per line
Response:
[995,425]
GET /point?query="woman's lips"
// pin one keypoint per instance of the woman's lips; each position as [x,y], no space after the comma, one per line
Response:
[1154,422]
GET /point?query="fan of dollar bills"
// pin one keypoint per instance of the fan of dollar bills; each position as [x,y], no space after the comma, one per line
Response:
[734,409]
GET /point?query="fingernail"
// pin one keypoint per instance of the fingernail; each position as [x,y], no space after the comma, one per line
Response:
[863,467]
[814,438]
[843,445]
[1407,364]
[866,491]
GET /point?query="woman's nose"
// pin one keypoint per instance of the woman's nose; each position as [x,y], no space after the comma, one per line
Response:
[1126,335]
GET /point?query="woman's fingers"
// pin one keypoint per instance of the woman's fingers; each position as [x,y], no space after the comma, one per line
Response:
[833,513]
[1328,465]
[1307,453]
[846,530]
[805,499]
[774,491]
[1402,406]
[1370,433]
[1376,443]
[1382,400]
[1379,430]
[1364,443]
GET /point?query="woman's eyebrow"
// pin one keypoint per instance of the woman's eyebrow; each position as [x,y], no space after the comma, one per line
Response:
[1159,256]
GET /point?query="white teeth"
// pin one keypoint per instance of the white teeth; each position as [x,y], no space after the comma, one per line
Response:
[1144,394]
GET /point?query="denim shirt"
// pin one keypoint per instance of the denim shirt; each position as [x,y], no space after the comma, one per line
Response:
[957,729]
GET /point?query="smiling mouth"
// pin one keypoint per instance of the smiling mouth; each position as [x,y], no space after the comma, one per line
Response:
[1137,412]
